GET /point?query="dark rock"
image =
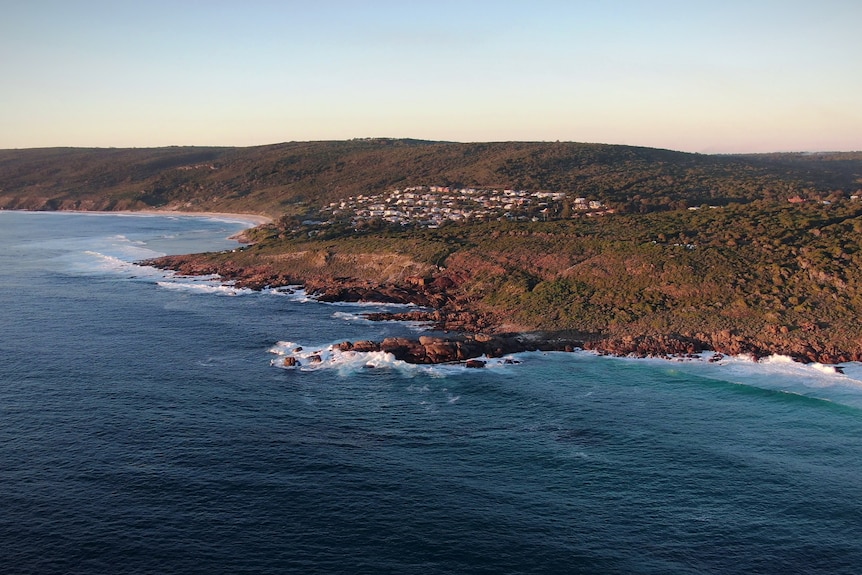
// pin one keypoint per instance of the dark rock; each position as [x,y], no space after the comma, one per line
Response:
[474,363]
[441,352]
[404,349]
[365,346]
[290,361]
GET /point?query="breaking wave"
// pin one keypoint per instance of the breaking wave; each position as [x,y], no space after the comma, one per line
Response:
[418,326]
[838,384]
[779,373]
[108,263]
[204,287]
[309,358]
[293,293]
[97,262]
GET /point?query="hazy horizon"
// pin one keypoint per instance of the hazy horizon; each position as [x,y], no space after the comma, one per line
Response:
[804,152]
[739,77]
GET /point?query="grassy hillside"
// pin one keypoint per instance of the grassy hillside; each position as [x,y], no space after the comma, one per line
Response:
[296,178]
[764,275]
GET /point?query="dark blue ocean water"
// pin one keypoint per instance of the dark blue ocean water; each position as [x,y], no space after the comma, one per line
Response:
[144,429]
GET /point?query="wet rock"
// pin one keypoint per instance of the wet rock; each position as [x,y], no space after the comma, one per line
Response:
[365,346]
[404,349]
[441,352]
[474,363]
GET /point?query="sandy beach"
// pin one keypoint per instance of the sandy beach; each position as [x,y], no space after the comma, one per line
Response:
[255,219]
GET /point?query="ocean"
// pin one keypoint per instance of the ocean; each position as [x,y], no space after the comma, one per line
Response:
[147,425]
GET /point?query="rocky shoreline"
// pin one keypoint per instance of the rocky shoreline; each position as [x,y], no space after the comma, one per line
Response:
[477,334]
[472,349]
[474,339]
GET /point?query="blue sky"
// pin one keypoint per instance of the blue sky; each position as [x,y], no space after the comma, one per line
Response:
[730,76]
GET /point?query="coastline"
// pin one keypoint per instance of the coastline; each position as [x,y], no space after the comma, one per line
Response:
[253,219]
[256,219]
[475,333]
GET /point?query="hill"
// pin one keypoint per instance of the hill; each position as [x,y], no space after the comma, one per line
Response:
[299,177]
[682,252]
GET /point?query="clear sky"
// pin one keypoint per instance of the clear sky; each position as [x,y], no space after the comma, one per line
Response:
[716,76]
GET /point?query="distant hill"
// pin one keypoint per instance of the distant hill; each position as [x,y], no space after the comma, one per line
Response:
[298,177]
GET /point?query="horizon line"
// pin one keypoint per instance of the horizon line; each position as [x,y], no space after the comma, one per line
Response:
[429,141]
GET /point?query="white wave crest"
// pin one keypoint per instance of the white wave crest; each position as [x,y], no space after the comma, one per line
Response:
[840,384]
[106,262]
[300,357]
[91,262]
[781,370]
[208,287]
[293,293]
[314,357]
[368,304]
[124,239]
[351,317]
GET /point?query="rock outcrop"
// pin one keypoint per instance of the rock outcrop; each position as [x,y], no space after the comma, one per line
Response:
[463,348]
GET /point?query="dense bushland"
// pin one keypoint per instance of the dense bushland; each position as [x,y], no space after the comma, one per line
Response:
[297,178]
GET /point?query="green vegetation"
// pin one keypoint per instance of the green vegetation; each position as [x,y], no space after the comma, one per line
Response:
[299,178]
[777,274]
[706,247]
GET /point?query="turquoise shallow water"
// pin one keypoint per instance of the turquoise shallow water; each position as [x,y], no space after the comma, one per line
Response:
[145,429]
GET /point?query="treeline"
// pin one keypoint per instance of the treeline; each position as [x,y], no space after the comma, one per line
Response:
[298,178]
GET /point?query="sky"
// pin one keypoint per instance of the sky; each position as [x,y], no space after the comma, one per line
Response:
[712,77]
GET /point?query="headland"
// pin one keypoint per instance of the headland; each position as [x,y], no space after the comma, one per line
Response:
[618,248]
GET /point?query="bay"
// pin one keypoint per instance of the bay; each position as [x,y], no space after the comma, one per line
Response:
[146,426]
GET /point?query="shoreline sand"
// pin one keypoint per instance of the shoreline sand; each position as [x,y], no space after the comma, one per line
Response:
[254,219]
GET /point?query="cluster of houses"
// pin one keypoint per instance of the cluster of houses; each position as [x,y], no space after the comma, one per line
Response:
[431,206]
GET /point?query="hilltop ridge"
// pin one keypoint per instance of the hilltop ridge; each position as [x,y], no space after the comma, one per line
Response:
[296,178]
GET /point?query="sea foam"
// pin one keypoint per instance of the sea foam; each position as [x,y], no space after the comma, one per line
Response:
[311,358]
[779,373]
[360,318]
[203,287]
